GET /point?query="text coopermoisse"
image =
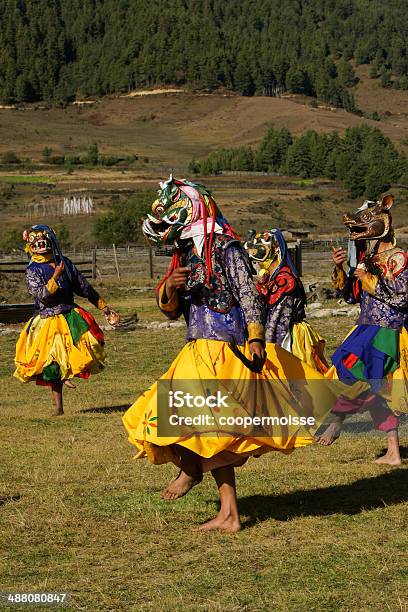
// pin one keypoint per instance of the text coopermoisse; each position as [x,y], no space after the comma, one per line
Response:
[205,420]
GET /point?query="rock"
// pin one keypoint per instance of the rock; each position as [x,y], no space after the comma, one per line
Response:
[345,311]
[316,293]
[314,306]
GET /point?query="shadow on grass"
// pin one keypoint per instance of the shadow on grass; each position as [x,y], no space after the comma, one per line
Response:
[107,409]
[6,499]
[403,453]
[364,494]
[355,426]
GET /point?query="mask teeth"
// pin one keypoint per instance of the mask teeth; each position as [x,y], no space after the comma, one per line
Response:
[153,219]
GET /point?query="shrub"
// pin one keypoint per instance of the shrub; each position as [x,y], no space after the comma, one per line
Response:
[10,158]
[122,224]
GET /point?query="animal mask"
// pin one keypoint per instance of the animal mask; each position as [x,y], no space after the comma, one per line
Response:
[183,210]
[262,248]
[371,221]
[38,241]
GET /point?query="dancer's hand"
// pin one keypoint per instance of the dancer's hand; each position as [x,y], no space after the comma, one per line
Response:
[112,317]
[339,256]
[360,273]
[257,348]
[177,279]
[59,269]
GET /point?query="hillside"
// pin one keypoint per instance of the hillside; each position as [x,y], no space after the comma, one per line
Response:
[171,128]
[98,47]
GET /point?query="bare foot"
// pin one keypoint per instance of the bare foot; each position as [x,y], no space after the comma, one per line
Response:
[221,523]
[180,486]
[69,384]
[389,459]
[330,435]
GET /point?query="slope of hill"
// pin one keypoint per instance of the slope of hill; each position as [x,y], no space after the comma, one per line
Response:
[170,129]
[103,46]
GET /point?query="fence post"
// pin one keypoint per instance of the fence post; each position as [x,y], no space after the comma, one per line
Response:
[299,256]
[116,261]
[150,261]
[93,264]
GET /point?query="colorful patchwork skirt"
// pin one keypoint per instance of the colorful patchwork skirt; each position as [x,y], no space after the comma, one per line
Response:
[378,356]
[287,385]
[59,347]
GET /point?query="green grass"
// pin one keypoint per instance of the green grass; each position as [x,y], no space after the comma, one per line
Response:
[303,182]
[25,179]
[324,528]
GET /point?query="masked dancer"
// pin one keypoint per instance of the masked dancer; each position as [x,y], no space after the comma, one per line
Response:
[376,349]
[210,283]
[284,298]
[61,340]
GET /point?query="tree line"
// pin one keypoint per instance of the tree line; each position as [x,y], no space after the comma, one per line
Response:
[56,50]
[364,159]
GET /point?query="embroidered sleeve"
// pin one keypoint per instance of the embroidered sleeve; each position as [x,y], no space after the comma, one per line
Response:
[243,288]
[37,289]
[169,305]
[393,292]
[84,289]
[284,312]
[350,287]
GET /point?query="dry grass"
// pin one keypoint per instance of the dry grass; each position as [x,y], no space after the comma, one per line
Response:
[172,128]
[325,529]
[246,201]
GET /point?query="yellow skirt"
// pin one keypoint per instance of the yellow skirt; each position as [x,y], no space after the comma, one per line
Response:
[59,348]
[308,345]
[289,387]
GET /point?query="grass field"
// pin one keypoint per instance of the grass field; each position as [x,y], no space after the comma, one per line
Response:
[324,528]
[21,179]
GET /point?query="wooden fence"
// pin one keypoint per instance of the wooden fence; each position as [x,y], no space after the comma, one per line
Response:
[87,266]
[131,261]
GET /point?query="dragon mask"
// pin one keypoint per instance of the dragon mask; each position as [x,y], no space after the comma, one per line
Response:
[371,221]
[184,210]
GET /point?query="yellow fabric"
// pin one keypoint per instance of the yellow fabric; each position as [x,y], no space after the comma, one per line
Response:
[42,258]
[50,340]
[256,331]
[308,345]
[172,300]
[210,360]
[339,278]
[398,380]
[369,282]
[52,285]
[101,303]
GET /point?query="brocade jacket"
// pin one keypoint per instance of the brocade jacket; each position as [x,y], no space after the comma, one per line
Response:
[226,308]
[56,297]
[284,303]
[384,294]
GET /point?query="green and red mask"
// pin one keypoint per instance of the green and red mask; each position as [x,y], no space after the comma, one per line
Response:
[183,210]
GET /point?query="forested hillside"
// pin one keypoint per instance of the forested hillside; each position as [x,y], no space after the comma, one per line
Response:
[365,160]
[57,49]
